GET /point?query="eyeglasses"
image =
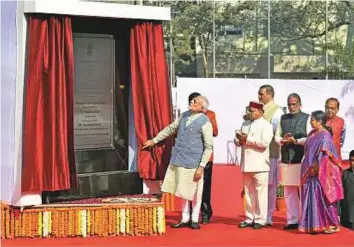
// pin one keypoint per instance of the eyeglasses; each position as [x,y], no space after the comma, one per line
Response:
[193,101]
[292,104]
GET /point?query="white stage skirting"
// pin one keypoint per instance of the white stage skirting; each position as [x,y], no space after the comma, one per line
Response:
[229,97]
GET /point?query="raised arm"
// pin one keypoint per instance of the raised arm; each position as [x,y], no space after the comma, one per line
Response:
[167,131]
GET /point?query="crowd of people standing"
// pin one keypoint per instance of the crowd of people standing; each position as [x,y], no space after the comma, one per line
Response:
[299,150]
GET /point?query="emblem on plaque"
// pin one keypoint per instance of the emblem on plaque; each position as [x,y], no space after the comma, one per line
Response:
[89,49]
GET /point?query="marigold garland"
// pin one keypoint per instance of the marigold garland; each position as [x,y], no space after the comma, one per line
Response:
[154,222]
[81,221]
[117,221]
[88,229]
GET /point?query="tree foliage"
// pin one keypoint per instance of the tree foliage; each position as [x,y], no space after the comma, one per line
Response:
[298,24]
[290,22]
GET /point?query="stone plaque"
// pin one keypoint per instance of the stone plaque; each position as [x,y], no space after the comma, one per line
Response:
[94,91]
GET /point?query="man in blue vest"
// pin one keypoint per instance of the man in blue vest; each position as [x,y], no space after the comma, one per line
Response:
[191,153]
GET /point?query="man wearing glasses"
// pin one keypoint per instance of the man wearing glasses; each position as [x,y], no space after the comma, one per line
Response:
[191,153]
[206,208]
[291,136]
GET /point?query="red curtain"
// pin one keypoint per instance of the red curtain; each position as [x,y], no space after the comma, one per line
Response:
[49,159]
[151,96]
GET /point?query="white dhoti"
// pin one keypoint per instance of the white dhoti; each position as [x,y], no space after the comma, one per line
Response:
[179,182]
[290,177]
[256,196]
[272,188]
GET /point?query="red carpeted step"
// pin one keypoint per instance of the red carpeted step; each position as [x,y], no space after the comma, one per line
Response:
[223,230]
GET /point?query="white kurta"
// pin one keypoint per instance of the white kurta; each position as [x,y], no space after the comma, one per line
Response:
[255,168]
[179,180]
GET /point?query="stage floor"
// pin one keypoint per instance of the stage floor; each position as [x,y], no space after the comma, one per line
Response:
[223,230]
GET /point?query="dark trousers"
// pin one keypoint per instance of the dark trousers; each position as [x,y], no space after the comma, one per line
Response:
[206,209]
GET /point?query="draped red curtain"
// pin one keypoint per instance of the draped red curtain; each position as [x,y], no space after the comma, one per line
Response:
[49,159]
[151,96]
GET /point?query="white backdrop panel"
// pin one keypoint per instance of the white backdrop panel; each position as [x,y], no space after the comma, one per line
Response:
[229,97]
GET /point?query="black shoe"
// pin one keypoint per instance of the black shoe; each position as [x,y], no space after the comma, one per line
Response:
[244,224]
[195,225]
[205,221]
[181,224]
[291,226]
[257,226]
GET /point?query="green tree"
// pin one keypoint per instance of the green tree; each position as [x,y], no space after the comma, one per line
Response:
[191,29]
[290,21]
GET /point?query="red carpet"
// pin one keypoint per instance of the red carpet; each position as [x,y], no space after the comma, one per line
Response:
[223,231]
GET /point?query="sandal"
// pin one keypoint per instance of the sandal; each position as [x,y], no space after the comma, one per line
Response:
[332,229]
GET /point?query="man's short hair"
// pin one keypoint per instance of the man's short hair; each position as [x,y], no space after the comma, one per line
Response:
[269,89]
[193,96]
[351,154]
[296,96]
[333,99]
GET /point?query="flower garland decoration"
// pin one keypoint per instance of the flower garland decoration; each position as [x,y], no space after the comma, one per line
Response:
[83,221]
[45,224]
[160,219]
[154,222]
[117,221]
[122,221]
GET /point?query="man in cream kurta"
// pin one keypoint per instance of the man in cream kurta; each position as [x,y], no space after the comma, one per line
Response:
[191,153]
[255,136]
[272,113]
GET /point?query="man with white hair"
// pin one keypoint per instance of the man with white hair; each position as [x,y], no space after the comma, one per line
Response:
[191,153]
[206,209]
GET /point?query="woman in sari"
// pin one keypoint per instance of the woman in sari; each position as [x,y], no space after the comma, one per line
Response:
[321,186]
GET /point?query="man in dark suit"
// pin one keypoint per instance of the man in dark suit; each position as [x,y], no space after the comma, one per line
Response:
[206,208]
[347,204]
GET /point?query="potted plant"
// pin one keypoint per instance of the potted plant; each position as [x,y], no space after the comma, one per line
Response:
[280,198]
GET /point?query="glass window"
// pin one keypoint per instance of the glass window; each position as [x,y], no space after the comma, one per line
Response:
[241,43]
[298,34]
[340,40]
